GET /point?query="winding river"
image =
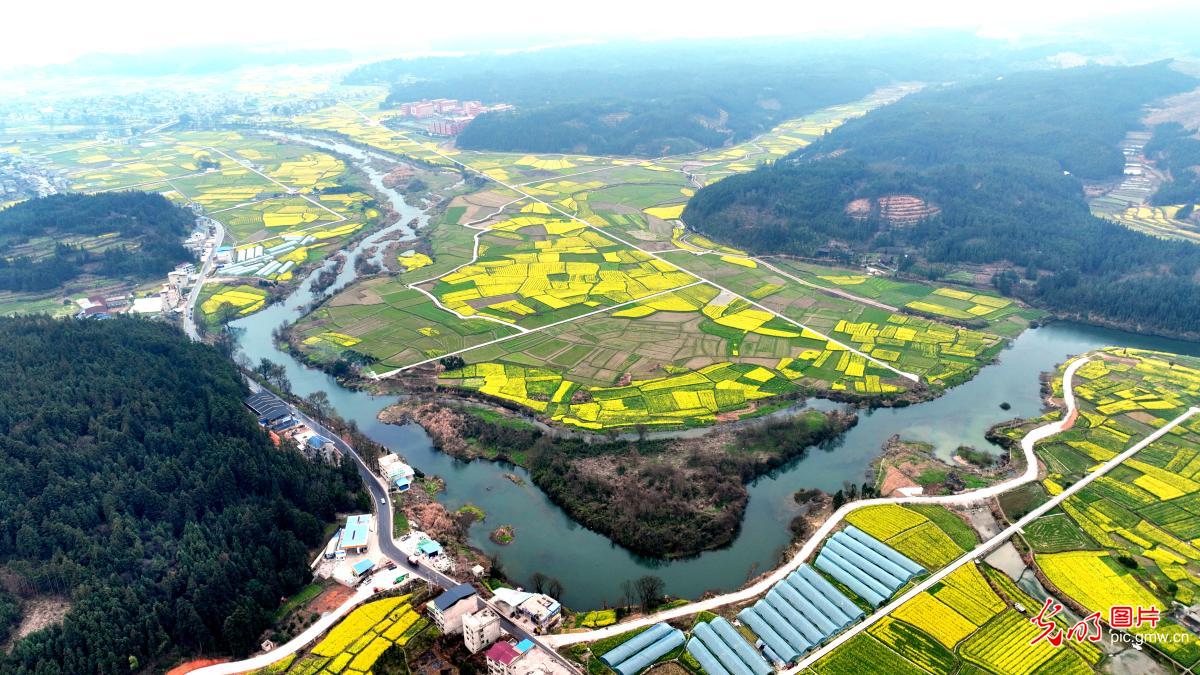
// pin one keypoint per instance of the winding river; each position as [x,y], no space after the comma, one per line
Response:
[589,566]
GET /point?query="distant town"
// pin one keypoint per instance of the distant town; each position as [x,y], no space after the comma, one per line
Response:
[446,116]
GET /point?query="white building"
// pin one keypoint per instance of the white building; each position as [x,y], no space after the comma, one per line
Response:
[538,610]
[397,473]
[480,630]
[448,609]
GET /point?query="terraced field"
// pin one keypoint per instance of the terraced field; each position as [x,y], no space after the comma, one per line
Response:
[1156,220]
[569,286]
[1131,537]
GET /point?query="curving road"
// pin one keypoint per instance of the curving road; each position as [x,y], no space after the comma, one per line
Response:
[382,503]
[809,548]
[987,546]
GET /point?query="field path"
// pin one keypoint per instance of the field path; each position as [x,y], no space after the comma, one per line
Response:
[614,236]
[810,546]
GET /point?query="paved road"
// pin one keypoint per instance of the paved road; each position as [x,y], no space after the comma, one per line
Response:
[828,291]
[987,546]
[382,501]
[324,623]
[810,546]
[380,498]
[206,268]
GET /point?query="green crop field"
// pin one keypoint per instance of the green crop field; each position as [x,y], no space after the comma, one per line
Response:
[559,285]
[303,203]
[1129,537]
[984,310]
[1056,532]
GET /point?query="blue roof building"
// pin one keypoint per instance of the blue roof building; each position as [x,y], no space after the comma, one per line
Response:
[362,566]
[429,547]
[452,595]
[354,535]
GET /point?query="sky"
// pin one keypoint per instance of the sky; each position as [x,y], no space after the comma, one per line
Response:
[41,32]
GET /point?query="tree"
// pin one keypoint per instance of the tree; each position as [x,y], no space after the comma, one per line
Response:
[628,593]
[153,572]
[649,591]
[319,402]
[495,567]
[240,631]
[274,373]
[538,582]
[554,589]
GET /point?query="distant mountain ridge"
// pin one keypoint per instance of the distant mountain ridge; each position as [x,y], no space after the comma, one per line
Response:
[1002,158]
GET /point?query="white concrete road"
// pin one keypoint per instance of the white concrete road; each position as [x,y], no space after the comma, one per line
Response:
[810,546]
[206,268]
[292,646]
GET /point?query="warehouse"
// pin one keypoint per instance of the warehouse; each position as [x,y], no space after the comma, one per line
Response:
[355,534]
[267,407]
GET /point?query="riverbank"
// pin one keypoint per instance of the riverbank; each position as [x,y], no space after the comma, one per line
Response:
[657,498]
[590,568]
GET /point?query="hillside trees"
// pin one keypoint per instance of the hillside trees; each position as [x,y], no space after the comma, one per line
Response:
[148,227]
[1003,161]
[136,483]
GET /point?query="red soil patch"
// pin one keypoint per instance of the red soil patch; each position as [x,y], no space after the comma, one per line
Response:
[1070,420]
[330,599]
[905,209]
[194,664]
[859,208]
[893,481]
[895,209]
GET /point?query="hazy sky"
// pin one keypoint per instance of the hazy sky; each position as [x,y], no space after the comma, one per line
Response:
[40,31]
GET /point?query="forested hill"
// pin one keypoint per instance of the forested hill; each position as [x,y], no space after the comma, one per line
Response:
[1002,160]
[1177,150]
[134,482]
[147,231]
[657,98]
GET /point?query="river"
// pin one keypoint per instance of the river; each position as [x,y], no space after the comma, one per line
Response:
[588,565]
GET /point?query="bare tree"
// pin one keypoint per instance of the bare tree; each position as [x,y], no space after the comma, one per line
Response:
[554,589]
[649,591]
[538,582]
[628,593]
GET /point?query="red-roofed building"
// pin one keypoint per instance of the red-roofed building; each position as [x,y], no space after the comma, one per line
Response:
[500,656]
